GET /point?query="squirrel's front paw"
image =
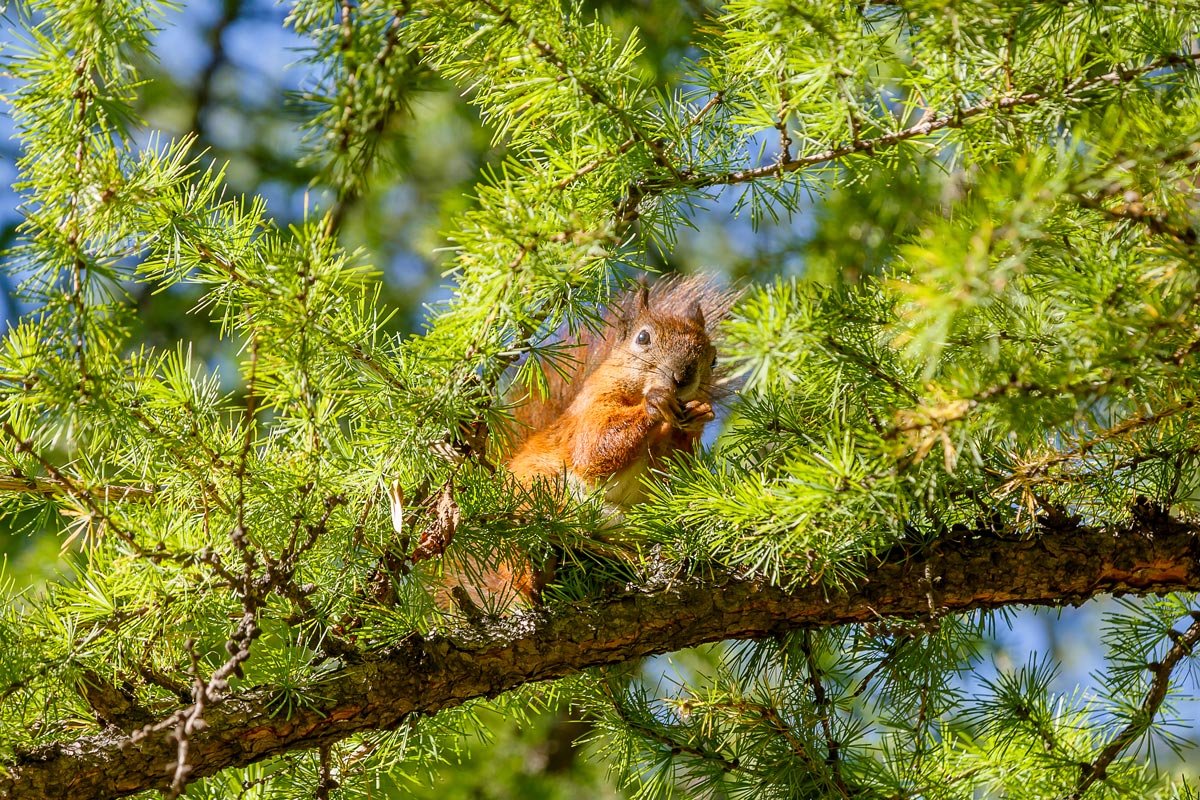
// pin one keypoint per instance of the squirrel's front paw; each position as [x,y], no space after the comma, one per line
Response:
[661,406]
[696,414]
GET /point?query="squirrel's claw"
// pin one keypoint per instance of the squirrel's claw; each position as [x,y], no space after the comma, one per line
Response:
[696,414]
[661,406]
[664,407]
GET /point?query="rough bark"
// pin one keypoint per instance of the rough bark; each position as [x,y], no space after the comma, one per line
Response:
[424,675]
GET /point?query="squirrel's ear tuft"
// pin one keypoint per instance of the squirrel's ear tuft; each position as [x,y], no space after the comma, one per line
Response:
[633,305]
[696,313]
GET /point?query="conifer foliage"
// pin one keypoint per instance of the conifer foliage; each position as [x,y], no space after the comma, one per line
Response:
[984,391]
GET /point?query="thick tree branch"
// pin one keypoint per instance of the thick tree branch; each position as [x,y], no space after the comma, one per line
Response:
[1152,554]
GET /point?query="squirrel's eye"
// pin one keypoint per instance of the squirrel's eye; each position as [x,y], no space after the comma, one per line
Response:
[643,337]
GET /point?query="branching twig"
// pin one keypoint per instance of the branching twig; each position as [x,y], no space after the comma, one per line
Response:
[1133,210]
[781,122]
[699,116]
[955,119]
[344,127]
[1181,648]
[593,92]
[901,639]
[657,735]
[70,488]
[188,723]
[870,365]
[595,163]
[354,349]
[1039,466]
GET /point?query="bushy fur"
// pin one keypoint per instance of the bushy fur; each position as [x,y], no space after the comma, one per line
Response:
[671,296]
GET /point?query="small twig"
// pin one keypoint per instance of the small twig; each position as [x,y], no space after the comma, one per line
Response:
[187,723]
[1133,210]
[901,638]
[821,703]
[84,95]
[932,124]
[325,781]
[1010,37]
[590,90]
[70,488]
[785,140]
[348,196]
[200,472]
[354,349]
[595,163]
[769,715]
[248,427]
[1039,466]
[870,365]
[672,743]
[23,484]
[360,524]
[712,103]
[342,129]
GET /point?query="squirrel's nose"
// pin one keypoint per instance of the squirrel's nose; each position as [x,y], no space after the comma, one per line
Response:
[684,377]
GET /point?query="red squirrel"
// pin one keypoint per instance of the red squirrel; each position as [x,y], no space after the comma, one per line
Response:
[642,389]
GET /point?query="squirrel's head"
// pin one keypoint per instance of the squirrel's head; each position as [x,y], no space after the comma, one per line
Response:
[667,343]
